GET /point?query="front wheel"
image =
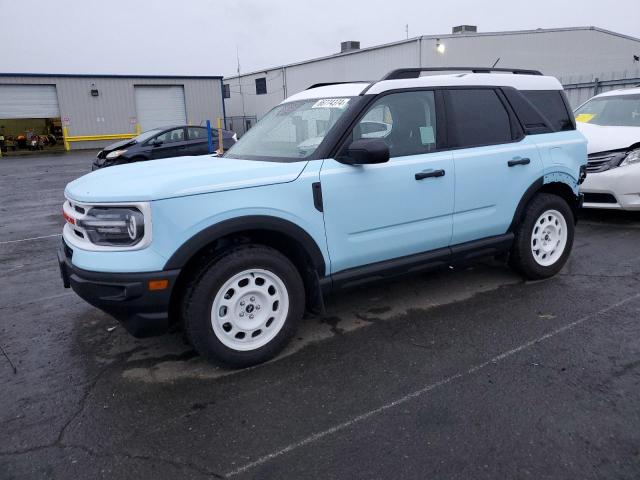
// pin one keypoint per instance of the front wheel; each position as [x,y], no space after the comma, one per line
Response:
[544,238]
[244,306]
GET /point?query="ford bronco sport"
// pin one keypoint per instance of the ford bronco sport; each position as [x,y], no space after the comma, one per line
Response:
[337,185]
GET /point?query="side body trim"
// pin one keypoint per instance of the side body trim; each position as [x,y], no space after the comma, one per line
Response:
[420,262]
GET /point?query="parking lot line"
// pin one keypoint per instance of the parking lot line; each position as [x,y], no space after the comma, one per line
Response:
[424,390]
[31,238]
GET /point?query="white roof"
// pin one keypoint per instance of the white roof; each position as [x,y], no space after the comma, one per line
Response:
[626,91]
[518,81]
[336,90]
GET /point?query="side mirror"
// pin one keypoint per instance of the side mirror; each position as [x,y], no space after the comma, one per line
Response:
[366,151]
[156,142]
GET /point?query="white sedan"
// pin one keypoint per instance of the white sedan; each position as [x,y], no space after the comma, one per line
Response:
[611,123]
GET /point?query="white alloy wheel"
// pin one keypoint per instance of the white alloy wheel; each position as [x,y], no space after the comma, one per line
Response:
[250,309]
[549,238]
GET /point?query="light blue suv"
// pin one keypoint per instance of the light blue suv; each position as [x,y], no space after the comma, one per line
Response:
[338,185]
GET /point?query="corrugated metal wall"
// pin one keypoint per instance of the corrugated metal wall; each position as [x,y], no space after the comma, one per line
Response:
[113,111]
[556,52]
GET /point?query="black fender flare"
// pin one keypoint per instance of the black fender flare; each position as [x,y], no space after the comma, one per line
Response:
[534,188]
[245,223]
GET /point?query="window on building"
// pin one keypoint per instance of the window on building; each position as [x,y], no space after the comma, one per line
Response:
[479,118]
[261,86]
[226,91]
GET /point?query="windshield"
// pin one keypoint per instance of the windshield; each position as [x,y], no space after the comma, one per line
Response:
[146,135]
[291,131]
[618,110]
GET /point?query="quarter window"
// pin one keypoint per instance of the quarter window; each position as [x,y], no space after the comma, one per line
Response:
[478,118]
[405,121]
[551,105]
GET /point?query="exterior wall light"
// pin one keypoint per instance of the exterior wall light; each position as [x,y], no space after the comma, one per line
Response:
[440,48]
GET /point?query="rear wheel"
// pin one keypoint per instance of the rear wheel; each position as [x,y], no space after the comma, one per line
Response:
[244,306]
[544,238]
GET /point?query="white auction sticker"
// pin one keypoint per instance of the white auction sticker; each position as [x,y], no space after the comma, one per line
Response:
[331,103]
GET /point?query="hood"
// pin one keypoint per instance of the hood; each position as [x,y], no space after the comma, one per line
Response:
[120,144]
[604,138]
[178,177]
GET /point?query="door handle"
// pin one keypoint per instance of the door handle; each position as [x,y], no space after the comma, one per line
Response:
[519,161]
[429,174]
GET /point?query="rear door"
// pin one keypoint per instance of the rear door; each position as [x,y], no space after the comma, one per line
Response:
[494,162]
[403,207]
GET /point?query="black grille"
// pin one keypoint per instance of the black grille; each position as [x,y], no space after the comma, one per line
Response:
[600,162]
[599,198]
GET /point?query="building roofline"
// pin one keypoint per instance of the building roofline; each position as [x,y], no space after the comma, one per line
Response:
[434,37]
[100,75]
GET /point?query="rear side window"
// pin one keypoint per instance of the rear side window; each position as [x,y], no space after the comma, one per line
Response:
[552,106]
[478,118]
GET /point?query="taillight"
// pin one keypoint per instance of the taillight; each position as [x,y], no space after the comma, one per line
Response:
[68,218]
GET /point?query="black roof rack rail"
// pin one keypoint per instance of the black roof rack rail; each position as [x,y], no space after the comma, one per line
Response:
[416,71]
[326,84]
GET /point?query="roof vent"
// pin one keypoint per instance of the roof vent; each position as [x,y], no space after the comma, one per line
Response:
[462,29]
[349,46]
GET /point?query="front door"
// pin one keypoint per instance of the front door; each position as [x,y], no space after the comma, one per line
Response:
[171,143]
[379,212]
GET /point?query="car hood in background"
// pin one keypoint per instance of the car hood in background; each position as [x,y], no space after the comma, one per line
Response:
[120,144]
[178,177]
[604,138]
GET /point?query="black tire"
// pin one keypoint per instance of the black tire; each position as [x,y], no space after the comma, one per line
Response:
[522,258]
[201,291]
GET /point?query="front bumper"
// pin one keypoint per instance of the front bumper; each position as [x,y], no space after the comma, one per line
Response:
[125,296]
[618,188]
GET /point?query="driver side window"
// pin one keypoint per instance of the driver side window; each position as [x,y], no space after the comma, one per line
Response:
[175,135]
[405,121]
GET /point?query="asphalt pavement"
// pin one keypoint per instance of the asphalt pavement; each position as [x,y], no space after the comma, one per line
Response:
[457,374]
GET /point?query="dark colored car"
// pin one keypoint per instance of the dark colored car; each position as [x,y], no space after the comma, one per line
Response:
[162,143]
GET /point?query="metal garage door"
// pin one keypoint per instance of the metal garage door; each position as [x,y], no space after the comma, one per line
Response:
[28,101]
[160,106]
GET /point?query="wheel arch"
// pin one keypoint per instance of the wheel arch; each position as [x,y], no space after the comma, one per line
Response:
[559,188]
[282,235]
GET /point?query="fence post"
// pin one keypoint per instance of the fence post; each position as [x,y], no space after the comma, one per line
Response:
[596,86]
[209,137]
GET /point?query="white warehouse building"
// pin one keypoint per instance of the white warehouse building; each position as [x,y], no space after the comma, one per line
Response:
[587,60]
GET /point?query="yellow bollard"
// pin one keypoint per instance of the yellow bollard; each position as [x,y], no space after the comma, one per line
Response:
[67,147]
[220,144]
[138,129]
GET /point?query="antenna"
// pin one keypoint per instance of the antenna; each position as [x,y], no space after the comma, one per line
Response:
[239,81]
[495,63]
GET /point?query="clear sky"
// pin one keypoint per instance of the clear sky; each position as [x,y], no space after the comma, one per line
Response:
[199,37]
